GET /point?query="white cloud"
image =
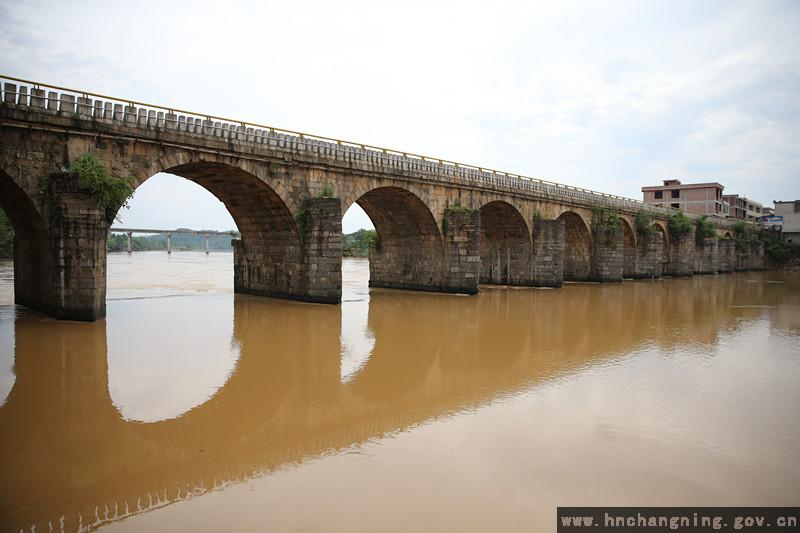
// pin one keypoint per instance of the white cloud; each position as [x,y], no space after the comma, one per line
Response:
[605,95]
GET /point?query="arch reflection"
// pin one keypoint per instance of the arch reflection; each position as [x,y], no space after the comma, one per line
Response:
[68,451]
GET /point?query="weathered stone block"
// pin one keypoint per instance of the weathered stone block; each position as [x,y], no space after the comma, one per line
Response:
[706,257]
[548,253]
[681,255]
[649,251]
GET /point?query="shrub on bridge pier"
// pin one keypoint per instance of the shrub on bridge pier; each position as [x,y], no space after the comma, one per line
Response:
[644,223]
[112,192]
[606,223]
[679,225]
[704,229]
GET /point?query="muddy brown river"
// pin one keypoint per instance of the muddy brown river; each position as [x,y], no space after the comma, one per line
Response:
[193,409]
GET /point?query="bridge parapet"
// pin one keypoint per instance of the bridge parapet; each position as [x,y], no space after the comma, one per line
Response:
[102,109]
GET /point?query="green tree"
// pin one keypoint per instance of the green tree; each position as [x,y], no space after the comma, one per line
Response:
[741,230]
[357,244]
[112,192]
[644,223]
[704,229]
[679,225]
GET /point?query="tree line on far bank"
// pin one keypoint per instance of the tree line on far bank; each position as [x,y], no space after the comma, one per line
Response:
[353,245]
[118,242]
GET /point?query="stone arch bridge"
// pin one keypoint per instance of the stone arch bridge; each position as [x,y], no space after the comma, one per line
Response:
[442,226]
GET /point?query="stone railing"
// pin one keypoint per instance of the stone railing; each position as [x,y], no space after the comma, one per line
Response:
[97,107]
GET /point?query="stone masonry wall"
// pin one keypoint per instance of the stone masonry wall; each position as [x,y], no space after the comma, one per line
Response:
[462,250]
[743,261]
[78,231]
[505,246]
[726,250]
[681,255]
[649,260]
[548,253]
[706,257]
[304,267]
[607,252]
[321,238]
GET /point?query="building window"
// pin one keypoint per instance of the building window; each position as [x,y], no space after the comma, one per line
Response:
[676,193]
[675,206]
[659,195]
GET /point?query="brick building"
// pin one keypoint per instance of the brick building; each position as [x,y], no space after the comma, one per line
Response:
[700,198]
[790,211]
[743,208]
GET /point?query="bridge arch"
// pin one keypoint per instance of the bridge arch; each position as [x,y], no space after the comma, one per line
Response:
[628,249]
[659,228]
[32,255]
[577,249]
[505,244]
[267,259]
[409,251]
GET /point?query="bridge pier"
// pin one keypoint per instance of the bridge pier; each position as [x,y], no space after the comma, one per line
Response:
[63,272]
[681,255]
[414,258]
[607,251]
[649,256]
[749,255]
[462,234]
[726,250]
[549,240]
[310,271]
[706,257]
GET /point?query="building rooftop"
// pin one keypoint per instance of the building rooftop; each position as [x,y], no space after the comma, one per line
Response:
[677,183]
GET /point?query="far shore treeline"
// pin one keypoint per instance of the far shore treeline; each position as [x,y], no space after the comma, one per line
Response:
[353,245]
[118,242]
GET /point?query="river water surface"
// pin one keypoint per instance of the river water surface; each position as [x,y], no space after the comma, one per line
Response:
[193,409]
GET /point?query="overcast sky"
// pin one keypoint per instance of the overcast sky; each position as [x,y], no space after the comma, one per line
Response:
[604,95]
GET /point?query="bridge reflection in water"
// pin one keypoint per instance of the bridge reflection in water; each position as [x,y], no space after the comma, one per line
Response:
[71,460]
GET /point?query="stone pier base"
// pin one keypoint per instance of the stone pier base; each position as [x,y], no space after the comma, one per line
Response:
[61,270]
[649,260]
[462,235]
[279,267]
[607,254]
[548,253]
[706,257]
[726,251]
[681,256]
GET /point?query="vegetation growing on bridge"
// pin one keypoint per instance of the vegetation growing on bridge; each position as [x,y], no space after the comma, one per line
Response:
[607,222]
[112,192]
[357,244]
[742,230]
[781,253]
[644,223]
[6,237]
[704,229]
[679,225]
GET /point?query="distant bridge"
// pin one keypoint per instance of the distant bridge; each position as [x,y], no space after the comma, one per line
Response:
[169,233]
[442,226]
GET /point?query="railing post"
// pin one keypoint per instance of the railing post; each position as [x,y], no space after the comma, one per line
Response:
[169,243]
[206,236]
[130,243]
